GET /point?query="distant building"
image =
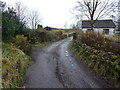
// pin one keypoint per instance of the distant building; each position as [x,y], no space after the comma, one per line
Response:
[49,28]
[101,26]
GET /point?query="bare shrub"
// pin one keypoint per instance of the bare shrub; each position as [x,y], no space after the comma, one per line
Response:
[98,41]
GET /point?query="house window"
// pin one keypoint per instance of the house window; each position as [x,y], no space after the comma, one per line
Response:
[106,31]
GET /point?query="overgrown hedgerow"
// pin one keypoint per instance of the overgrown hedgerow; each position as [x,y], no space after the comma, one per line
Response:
[22,43]
[35,36]
[104,63]
[99,42]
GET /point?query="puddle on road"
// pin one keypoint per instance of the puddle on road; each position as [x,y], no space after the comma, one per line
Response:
[72,64]
[66,53]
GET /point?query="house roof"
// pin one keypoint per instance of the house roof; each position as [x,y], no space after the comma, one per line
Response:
[98,24]
[49,28]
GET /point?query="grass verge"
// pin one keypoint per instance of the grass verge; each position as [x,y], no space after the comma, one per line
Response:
[105,64]
[14,64]
[40,44]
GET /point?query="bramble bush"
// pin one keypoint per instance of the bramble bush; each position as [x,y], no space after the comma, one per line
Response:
[99,42]
[22,43]
[44,36]
[34,36]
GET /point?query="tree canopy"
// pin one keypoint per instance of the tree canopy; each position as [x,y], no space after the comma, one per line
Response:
[11,24]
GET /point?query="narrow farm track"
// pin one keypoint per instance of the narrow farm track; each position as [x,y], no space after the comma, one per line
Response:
[55,67]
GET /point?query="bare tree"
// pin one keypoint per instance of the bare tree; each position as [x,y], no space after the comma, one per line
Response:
[34,19]
[66,25]
[95,9]
[21,11]
[2,6]
[29,18]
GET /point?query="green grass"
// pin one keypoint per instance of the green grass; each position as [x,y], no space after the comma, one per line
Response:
[40,44]
[14,64]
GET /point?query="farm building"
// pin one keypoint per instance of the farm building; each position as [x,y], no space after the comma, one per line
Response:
[102,26]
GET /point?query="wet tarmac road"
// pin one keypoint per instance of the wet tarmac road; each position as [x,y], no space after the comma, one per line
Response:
[55,67]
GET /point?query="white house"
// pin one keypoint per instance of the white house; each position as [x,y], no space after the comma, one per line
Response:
[102,26]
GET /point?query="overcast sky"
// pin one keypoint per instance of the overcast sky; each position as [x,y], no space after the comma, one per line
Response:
[55,13]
